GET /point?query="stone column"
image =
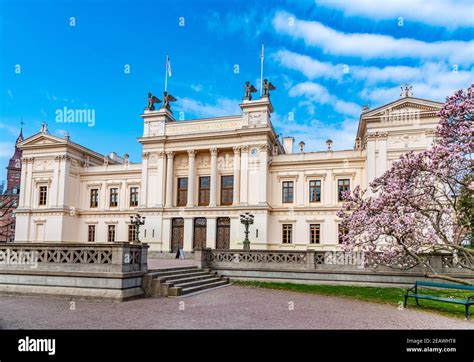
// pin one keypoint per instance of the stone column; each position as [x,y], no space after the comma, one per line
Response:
[236,190]
[191,177]
[63,185]
[160,179]
[21,201]
[370,165]
[188,234]
[213,196]
[211,232]
[262,175]
[103,197]
[169,178]
[382,159]
[144,183]
[123,196]
[244,173]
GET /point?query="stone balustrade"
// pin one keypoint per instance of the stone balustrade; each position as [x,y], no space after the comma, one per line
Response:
[304,260]
[111,271]
[320,267]
[107,257]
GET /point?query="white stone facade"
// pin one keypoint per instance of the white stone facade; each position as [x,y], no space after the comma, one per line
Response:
[232,164]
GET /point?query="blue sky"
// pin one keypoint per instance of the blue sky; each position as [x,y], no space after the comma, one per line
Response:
[326,58]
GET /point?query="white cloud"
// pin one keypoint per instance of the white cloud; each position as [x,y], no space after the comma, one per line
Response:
[315,133]
[432,81]
[10,93]
[370,46]
[315,92]
[223,106]
[310,67]
[12,130]
[6,149]
[450,14]
[196,87]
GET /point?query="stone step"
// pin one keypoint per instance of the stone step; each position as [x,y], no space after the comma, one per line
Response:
[206,286]
[172,277]
[197,282]
[174,272]
[189,278]
[172,268]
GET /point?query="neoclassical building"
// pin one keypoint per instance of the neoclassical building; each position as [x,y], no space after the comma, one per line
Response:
[198,176]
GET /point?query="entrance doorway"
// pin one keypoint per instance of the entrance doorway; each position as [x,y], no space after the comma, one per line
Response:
[223,233]
[200,231]
[177,234]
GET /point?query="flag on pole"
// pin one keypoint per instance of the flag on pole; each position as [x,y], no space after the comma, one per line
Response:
[168,65]
[262,55]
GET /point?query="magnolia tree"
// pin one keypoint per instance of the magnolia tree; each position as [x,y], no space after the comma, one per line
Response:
[423,204]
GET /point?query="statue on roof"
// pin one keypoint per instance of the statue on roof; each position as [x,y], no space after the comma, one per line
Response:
[151,102]
[44,128]
[267,87]
[407,91]
[249,89]
[167,98]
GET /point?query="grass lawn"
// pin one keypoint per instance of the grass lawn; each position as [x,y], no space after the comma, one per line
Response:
[392,296]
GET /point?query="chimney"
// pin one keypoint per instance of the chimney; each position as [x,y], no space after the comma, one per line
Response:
[301,144]
[288,144]
[329,144]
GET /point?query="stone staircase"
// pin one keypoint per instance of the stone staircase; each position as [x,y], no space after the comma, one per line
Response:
[176,281]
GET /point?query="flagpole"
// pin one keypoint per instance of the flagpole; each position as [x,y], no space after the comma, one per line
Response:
[261,71]
[166,74]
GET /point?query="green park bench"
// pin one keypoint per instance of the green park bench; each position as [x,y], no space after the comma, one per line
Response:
[414,293]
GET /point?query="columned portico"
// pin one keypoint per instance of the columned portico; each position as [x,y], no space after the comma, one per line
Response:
[213,196]
[236,191]
[191,177]
[169,178]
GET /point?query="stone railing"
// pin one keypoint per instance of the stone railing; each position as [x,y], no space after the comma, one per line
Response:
[301,260]
[90,257]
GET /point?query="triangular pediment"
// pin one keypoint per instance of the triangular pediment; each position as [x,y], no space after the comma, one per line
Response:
[42,139]
[405,104]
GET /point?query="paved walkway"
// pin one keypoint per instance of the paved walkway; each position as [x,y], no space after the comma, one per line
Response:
[232,307]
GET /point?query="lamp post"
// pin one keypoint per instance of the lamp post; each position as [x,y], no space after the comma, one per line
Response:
[137,220]
[246,219]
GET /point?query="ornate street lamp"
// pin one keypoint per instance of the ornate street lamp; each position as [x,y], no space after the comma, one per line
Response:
[246,219]
[138,221]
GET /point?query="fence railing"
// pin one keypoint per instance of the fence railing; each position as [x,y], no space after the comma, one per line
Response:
[108,257]
[306,260]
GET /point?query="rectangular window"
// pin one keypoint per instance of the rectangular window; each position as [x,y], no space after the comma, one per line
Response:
[314,233]
[341,231]
[342,185]
[287,233]
[132,232]
[114,197]
[182,191]
[133,196]
[287,192]
[227,190]
[43,195]
[315,191]
[94,201]
[91,233]
[111,233]
[204,190]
